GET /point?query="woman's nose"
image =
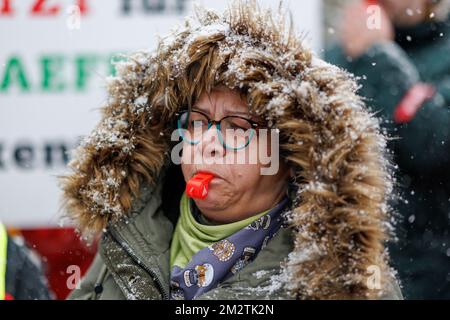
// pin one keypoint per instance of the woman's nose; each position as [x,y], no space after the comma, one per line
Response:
[212,146]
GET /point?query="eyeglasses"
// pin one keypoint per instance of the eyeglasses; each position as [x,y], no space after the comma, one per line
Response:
[234,132]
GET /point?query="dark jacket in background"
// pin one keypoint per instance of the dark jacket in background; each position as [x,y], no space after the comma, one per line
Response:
[388,71]
[24,278]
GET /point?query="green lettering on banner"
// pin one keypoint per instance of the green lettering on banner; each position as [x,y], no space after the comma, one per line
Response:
[51,73]
[114,58]
[14,72]
[55,75]
[84,65]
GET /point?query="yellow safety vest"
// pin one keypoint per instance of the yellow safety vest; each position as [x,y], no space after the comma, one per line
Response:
[3,248]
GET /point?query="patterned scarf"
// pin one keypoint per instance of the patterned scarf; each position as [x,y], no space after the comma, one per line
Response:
[222,259]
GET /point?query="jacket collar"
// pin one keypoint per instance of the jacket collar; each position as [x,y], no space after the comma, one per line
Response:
[145,238]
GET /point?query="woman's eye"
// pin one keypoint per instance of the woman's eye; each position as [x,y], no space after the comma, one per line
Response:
[239,124]
[197,123]
[236,127]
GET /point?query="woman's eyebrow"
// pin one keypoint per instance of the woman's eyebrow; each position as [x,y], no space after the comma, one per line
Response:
[228,113]
[196,108]
[246,115]
[239,113]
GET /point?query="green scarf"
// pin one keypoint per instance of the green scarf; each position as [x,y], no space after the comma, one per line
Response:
[191,236]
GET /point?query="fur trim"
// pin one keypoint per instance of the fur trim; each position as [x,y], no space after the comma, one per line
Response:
[326,135]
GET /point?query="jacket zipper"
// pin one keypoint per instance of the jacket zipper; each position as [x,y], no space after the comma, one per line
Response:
[138,261]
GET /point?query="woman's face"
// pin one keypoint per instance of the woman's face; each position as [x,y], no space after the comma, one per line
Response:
[238,190]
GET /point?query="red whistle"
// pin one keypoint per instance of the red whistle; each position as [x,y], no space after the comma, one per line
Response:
[371,2]
[197,186]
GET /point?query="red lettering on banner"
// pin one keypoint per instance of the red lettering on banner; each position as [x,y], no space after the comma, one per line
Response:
[82,4]
[39,8]
[5,8]
[42,7]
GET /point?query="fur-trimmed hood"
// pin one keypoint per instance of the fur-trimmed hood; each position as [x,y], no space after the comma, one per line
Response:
[340,218]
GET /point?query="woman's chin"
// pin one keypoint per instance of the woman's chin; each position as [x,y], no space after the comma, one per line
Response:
[214,201]
[210,202]
[211,211]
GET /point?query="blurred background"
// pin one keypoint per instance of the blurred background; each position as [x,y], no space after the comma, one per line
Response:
[56,54]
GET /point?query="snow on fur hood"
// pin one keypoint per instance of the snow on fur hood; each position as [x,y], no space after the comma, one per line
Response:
[340,219]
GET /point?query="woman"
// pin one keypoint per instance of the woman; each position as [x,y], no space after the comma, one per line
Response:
[310,226]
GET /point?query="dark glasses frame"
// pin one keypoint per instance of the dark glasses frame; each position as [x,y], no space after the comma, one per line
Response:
[254,125]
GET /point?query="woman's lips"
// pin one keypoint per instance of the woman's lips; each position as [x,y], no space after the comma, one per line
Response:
[209,172]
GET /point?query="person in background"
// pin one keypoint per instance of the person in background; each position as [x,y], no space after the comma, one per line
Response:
[20,277]
[404,68]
